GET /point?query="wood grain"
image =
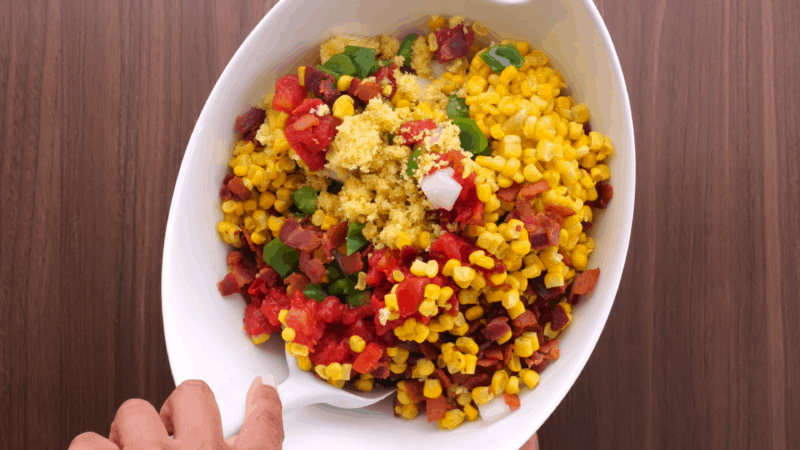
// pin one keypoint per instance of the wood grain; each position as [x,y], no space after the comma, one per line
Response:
[99,100]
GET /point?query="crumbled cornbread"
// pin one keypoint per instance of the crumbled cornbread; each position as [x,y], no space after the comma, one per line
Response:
[360,139]
[337,44]
[389,46]
[421,58]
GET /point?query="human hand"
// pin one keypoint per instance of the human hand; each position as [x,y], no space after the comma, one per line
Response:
[192,417]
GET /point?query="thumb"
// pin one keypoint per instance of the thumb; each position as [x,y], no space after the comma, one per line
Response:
[263,418]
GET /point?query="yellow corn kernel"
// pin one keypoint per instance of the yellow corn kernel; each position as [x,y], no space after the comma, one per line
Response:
[499,382]
[553,279]
[447,322]
[514,364]
[445,293]
[343,107]
[364,385]
[516,310]
[474,312]
[467,345]
[418,268]
[484,192]
[304,363]
[482,395]
[398,276]
[260,339]
[320,370]
[511,298]
[403,239]
[343,84]
[398,368]
[431,269]
[471,412]
[529,377]
[498,278]
[433,388]
[549,333]
[334,371]
[240,170]
[432,291]
[523,347]
[452,419]
[409,411]
[600,172]
[508,74]
[425,239]
[428,308]
[521,248]
[357,343]
[512,387]
[463,276]
[288,334]
[328,222]
[468,296]
[423,369]
[497,131]
[479,29]
[436,21]
[504,338]
[470,362]
[282,316]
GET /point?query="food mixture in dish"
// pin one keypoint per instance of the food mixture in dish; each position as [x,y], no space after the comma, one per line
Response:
[413,211]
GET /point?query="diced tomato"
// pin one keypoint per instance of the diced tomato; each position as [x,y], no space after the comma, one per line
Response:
[255,322]
[453,42]
[512,400]
[288,93]
[452,246]
[381,265]
[330,349]
[368,358]
[410,293]
[468,209]
[330,310]
[416,131]
[309,134]
[302,318]
[387,73]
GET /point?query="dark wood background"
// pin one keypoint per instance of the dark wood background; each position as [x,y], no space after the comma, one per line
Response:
[98,102]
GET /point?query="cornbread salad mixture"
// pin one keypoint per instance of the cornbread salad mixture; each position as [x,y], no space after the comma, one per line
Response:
[412,211]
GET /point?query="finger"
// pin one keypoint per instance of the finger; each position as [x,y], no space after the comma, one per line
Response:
[532,444]
[191,413]
[137,422]
[231,441]
[263,418]
[91,441]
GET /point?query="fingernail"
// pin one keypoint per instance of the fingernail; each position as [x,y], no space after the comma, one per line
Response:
[268,379]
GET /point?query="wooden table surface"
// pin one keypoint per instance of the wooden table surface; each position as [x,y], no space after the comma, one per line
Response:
[99,101]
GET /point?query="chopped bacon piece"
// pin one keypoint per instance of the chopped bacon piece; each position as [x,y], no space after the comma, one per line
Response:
[443,378]
[247,238]
[560,318]
[381,371]
[496,328]
[295,236]
[489,363]
[560,210]
[295,282]
[453,42]
[436,408]
[366,91]
[228,285]
[335,236]
[549,347]
[476,380]
[586,282]
[604,194]
[494,353]
[530,191]
[509,194]
[329,92]
[429,350]
[353,263]
[237,188]
[268,275]
[313,268]
[512,400]
[415,390]
[250,120]
[508,352]
[525,321]
[551,227]
[243,275]
[351,91]
[234,256]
